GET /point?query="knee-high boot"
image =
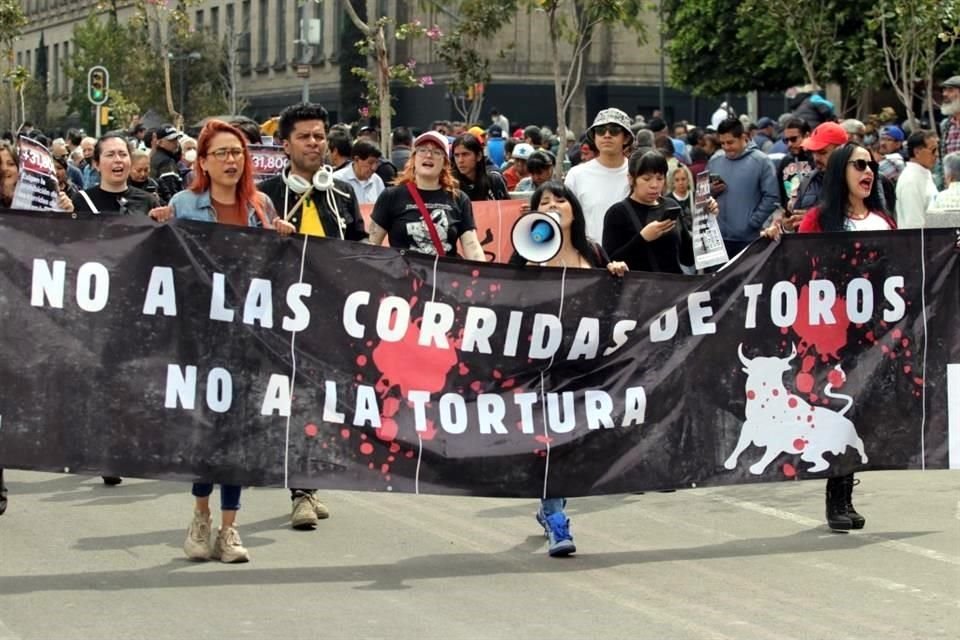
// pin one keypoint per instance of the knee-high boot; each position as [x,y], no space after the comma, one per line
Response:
[856,519]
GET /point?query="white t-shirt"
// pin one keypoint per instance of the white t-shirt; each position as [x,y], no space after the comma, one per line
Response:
[597,188]
[872,222]
[915,192]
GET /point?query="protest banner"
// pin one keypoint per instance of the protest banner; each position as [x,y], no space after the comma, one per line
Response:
[195,350]
[268,161]
[37,186]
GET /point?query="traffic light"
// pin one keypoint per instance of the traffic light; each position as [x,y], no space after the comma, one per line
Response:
[98,83]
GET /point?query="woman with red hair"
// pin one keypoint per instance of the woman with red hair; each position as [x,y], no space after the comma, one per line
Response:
[222,191]
[426,212]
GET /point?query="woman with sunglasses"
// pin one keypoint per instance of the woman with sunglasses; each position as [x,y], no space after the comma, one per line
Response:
[850,201]
[426,187]
[222,191]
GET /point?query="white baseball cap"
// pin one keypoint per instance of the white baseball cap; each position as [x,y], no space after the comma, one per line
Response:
[522,151]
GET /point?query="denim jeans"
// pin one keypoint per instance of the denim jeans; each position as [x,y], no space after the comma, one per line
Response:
[552,505]
[229,494]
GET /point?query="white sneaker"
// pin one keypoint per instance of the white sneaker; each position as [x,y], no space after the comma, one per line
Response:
[197,546]
[229,548]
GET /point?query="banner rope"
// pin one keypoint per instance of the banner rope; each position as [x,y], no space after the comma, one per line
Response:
[923,363]
[543,391]
[293,376]
[433,298]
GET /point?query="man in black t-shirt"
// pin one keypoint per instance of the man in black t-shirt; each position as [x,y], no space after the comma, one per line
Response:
[111,157]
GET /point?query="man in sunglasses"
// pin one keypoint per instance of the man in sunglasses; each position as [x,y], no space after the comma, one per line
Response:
[825,139]
[797,163]
[915,188]
[602,182]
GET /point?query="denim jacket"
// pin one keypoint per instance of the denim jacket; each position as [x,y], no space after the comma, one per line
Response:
[199,206]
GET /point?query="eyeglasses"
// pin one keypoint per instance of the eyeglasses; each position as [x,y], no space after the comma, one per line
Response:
[612,129]
[862,165]
[221,154]
[430,151]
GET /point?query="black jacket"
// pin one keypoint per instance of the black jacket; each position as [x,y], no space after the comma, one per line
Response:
[347,206]
[164,169]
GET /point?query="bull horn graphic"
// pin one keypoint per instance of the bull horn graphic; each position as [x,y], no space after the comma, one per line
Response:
[793,353]
[744,359]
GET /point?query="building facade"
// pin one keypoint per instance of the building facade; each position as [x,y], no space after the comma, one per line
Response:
[619,70]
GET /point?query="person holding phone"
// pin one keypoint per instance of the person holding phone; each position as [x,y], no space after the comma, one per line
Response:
[642,229]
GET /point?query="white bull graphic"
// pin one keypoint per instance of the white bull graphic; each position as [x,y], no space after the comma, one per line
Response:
[782,422]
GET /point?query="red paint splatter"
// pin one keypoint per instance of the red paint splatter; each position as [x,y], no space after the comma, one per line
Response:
[388,429]
[497,375]
[776,392]
[430,433]
[464,370]
[807,364]
[394,448]
[905,342]
[384,469]
[409,454]
[477,386]
[543,439]
[366,448]
[345,434]
[455,284]
[857,245]
[784,330]
[468,293]
[751,395]
[799,444]
[869,336]
[506,384]
[408,365]
[788,470]
[827,338]
[792,403]
[361,361]
[907,369]
[311,430]
[835,378]
[476,273]
[918,382]
[896,333]
[804,382]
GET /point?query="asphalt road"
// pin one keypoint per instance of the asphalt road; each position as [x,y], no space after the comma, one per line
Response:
[80,560]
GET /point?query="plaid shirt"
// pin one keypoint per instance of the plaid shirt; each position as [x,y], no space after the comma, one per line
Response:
[951,136]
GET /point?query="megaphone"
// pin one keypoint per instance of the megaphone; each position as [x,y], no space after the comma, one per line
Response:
[536,236]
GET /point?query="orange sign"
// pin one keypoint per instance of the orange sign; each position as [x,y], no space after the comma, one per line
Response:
[494,220]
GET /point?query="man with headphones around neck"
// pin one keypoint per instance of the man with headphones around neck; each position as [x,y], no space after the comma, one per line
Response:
[308,196]
[306,193]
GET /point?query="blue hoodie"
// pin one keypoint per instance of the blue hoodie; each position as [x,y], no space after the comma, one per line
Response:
[751,195]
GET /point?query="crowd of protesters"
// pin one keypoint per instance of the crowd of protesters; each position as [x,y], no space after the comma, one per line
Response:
[623,192]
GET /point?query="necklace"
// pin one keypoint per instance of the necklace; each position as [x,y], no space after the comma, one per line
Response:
[857,216]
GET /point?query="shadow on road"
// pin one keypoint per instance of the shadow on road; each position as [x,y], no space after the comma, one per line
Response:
[400,575]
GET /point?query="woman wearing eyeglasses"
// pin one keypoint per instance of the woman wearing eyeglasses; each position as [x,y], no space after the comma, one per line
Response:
[426,212]
[222,191]
[850,201]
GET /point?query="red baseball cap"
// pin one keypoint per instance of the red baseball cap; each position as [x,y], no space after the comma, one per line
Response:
[825,134]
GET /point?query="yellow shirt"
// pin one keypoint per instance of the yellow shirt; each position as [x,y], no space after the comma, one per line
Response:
[310,223]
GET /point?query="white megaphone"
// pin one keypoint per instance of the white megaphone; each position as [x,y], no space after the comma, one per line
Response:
[536,236]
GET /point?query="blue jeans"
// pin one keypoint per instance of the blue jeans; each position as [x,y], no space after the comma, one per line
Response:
[229,494]
[552,505]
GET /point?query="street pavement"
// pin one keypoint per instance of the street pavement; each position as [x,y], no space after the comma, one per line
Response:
[79,560]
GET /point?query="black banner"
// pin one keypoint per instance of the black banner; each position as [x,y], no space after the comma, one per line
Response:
[173,352]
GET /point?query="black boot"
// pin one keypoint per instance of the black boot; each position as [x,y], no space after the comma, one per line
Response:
[856,519]
[837,517]
[3,494]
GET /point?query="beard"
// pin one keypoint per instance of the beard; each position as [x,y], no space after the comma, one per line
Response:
[950,108]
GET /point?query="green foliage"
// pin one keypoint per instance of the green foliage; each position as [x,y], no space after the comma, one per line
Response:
[12,21]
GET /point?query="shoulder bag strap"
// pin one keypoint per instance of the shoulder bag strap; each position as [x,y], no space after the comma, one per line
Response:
[427,220]
[93,207]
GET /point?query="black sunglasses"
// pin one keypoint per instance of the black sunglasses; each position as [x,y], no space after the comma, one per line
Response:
[612,129]
[861,165]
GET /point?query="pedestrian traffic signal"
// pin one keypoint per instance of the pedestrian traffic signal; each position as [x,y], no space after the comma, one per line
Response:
[98,82]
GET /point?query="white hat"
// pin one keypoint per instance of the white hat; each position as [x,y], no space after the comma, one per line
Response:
[522,151]
[613,116]
[434,137]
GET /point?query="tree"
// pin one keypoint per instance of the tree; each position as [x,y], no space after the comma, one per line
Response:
[463,50]
[374,45]
[349,58]
[915,35]
[12,21]
[571,24]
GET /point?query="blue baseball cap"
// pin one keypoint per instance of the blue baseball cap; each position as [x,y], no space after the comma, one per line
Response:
[893,132]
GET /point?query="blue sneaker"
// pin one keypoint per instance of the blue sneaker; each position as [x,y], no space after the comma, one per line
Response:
[556,528]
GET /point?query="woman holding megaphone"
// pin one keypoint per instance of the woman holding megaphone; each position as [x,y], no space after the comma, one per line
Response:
[575,251]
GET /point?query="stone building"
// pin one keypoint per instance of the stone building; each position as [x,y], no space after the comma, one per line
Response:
[619,72]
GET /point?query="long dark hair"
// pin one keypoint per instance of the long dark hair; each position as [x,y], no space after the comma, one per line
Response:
[578,228]
[835,197]
[482,186]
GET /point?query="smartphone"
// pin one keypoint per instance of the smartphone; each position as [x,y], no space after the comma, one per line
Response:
[716,178]
[671,213]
